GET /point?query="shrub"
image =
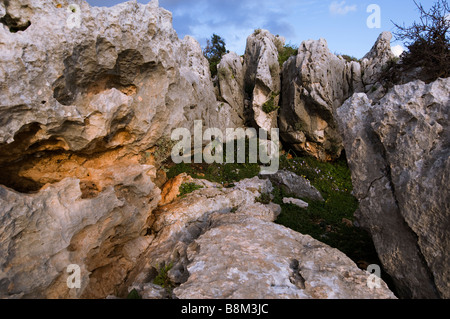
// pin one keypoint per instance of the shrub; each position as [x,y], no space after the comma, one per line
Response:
[286,52]
[163,279]
[270,105]
[427,42]
[214,50]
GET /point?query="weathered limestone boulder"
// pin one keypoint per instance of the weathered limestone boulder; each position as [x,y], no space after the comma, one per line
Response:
[399,156]
[295,201]
[84,113]
[315,83]
[42,234]
[220,246]
[240,257]
[372,63]
[231,86]
[295,185]
[262,82]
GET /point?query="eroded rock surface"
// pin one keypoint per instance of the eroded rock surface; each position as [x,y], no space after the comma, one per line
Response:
[220,245]
[315,83]
[262,82]
[85,112]
[399,156]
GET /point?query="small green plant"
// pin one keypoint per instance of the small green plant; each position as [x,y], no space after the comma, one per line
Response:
[270,105]
[163,279]
[188,188]
[265,199]
[286,52]
[134,295]
[257,31]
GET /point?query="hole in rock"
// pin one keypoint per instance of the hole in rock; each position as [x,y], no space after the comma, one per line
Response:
[85,75]
[13,24]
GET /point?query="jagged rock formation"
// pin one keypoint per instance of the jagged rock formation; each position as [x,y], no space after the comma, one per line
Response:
[85,112]
[315,83]
[202,237]
[399,156]
[262,82]
[231,86]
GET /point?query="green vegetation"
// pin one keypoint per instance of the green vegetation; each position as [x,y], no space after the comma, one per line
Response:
[163,279]
[225,174]
[214,50]
[326,221]
[428,43]
[265,198]
[330,221]
[270,105]
[286,52]
[188,188]
[348,58]
[134,295]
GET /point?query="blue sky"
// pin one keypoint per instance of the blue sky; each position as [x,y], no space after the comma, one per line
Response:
[343,23]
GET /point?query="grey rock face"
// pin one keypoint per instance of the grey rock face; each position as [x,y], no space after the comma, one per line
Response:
[399,156]
[295,185]
[223,253]
[317,82]
[82,110]
[262,83]
[373,62]
[231,84]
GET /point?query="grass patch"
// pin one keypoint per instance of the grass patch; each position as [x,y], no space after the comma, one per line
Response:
[265,199]
[188,188]
[225,174]
[324,220]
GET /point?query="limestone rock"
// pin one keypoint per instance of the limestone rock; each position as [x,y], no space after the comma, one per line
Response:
[373,62]
[295,201]
[43,233]
[84,111]
[98,84]
[240,257]
[262,82]
[295,185]
[399,157]
[317,82]
[183,220]
[223,245]
[231,84]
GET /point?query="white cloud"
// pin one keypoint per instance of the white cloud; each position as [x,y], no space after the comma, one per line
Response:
[397,50]
[340,8]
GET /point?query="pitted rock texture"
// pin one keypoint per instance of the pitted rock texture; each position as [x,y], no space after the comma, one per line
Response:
[315,83]
[399,156]
[85,112]
[223,244]
[262,82]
